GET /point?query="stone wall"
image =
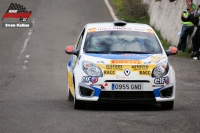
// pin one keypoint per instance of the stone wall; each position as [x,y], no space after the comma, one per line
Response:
[166,17]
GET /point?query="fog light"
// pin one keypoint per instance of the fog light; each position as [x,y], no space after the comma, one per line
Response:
[87,92]
[167,91]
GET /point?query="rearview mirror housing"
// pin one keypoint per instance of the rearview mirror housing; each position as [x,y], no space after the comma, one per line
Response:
[171,51]
[71,50]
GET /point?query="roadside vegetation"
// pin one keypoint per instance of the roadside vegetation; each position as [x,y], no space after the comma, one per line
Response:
[137,12]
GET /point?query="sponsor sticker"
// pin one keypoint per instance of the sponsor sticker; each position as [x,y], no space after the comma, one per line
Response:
[87,79]
[140,67]
[120,28]
[144,73]
[109,72]
[140,29]
[162,80]
[125,62]
[127,72]
[114,67]
[150,31]
[92,30]
[142,70]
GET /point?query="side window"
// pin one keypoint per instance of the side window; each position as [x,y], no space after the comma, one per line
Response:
[78,46]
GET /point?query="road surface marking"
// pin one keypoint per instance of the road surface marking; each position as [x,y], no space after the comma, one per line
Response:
[26,40]
[111,10]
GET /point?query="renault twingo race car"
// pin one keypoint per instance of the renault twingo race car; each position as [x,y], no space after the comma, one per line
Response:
[120,62]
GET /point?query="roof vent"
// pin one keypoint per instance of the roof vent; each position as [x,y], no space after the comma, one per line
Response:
[119,23]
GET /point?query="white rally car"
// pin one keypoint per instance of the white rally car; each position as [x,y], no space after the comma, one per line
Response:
[120,62]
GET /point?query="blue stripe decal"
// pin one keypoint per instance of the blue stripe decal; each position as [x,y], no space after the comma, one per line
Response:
[120,56]
[113,86]
[97,91]
[156,92]
[70,62]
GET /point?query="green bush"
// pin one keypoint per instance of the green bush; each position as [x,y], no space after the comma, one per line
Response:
[131,10]
[135,8]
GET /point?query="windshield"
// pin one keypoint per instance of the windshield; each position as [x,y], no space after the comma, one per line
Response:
[122,42]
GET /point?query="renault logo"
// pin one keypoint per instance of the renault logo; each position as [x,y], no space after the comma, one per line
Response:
[127,71]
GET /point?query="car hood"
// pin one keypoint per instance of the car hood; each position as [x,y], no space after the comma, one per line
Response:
[126,59]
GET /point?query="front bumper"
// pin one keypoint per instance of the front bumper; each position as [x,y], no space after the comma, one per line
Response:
[92,93]
[154,89]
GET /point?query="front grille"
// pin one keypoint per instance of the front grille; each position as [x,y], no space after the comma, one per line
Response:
[126,95]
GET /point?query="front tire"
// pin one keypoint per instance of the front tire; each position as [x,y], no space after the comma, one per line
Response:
[167,105]
[78,104]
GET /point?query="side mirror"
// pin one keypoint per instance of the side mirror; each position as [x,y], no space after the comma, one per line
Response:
[171,51]
[71,50]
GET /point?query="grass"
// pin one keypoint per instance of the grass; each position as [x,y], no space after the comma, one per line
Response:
[120,12]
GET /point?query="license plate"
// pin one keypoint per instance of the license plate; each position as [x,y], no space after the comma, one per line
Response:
[127,86]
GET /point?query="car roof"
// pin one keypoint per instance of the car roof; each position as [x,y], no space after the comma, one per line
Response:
[111,24]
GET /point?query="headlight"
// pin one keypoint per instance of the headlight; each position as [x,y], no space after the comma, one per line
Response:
[91,69]
[160,70]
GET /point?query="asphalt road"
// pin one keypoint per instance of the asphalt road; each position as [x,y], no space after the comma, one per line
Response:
[33,78]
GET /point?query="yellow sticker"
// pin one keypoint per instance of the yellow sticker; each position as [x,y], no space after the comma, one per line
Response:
[142,67]
[156,58]
[109,72]
[114,67]
[92,30]
[144,73]
[149,31]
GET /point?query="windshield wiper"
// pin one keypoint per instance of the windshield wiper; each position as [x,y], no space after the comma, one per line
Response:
[133,52]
